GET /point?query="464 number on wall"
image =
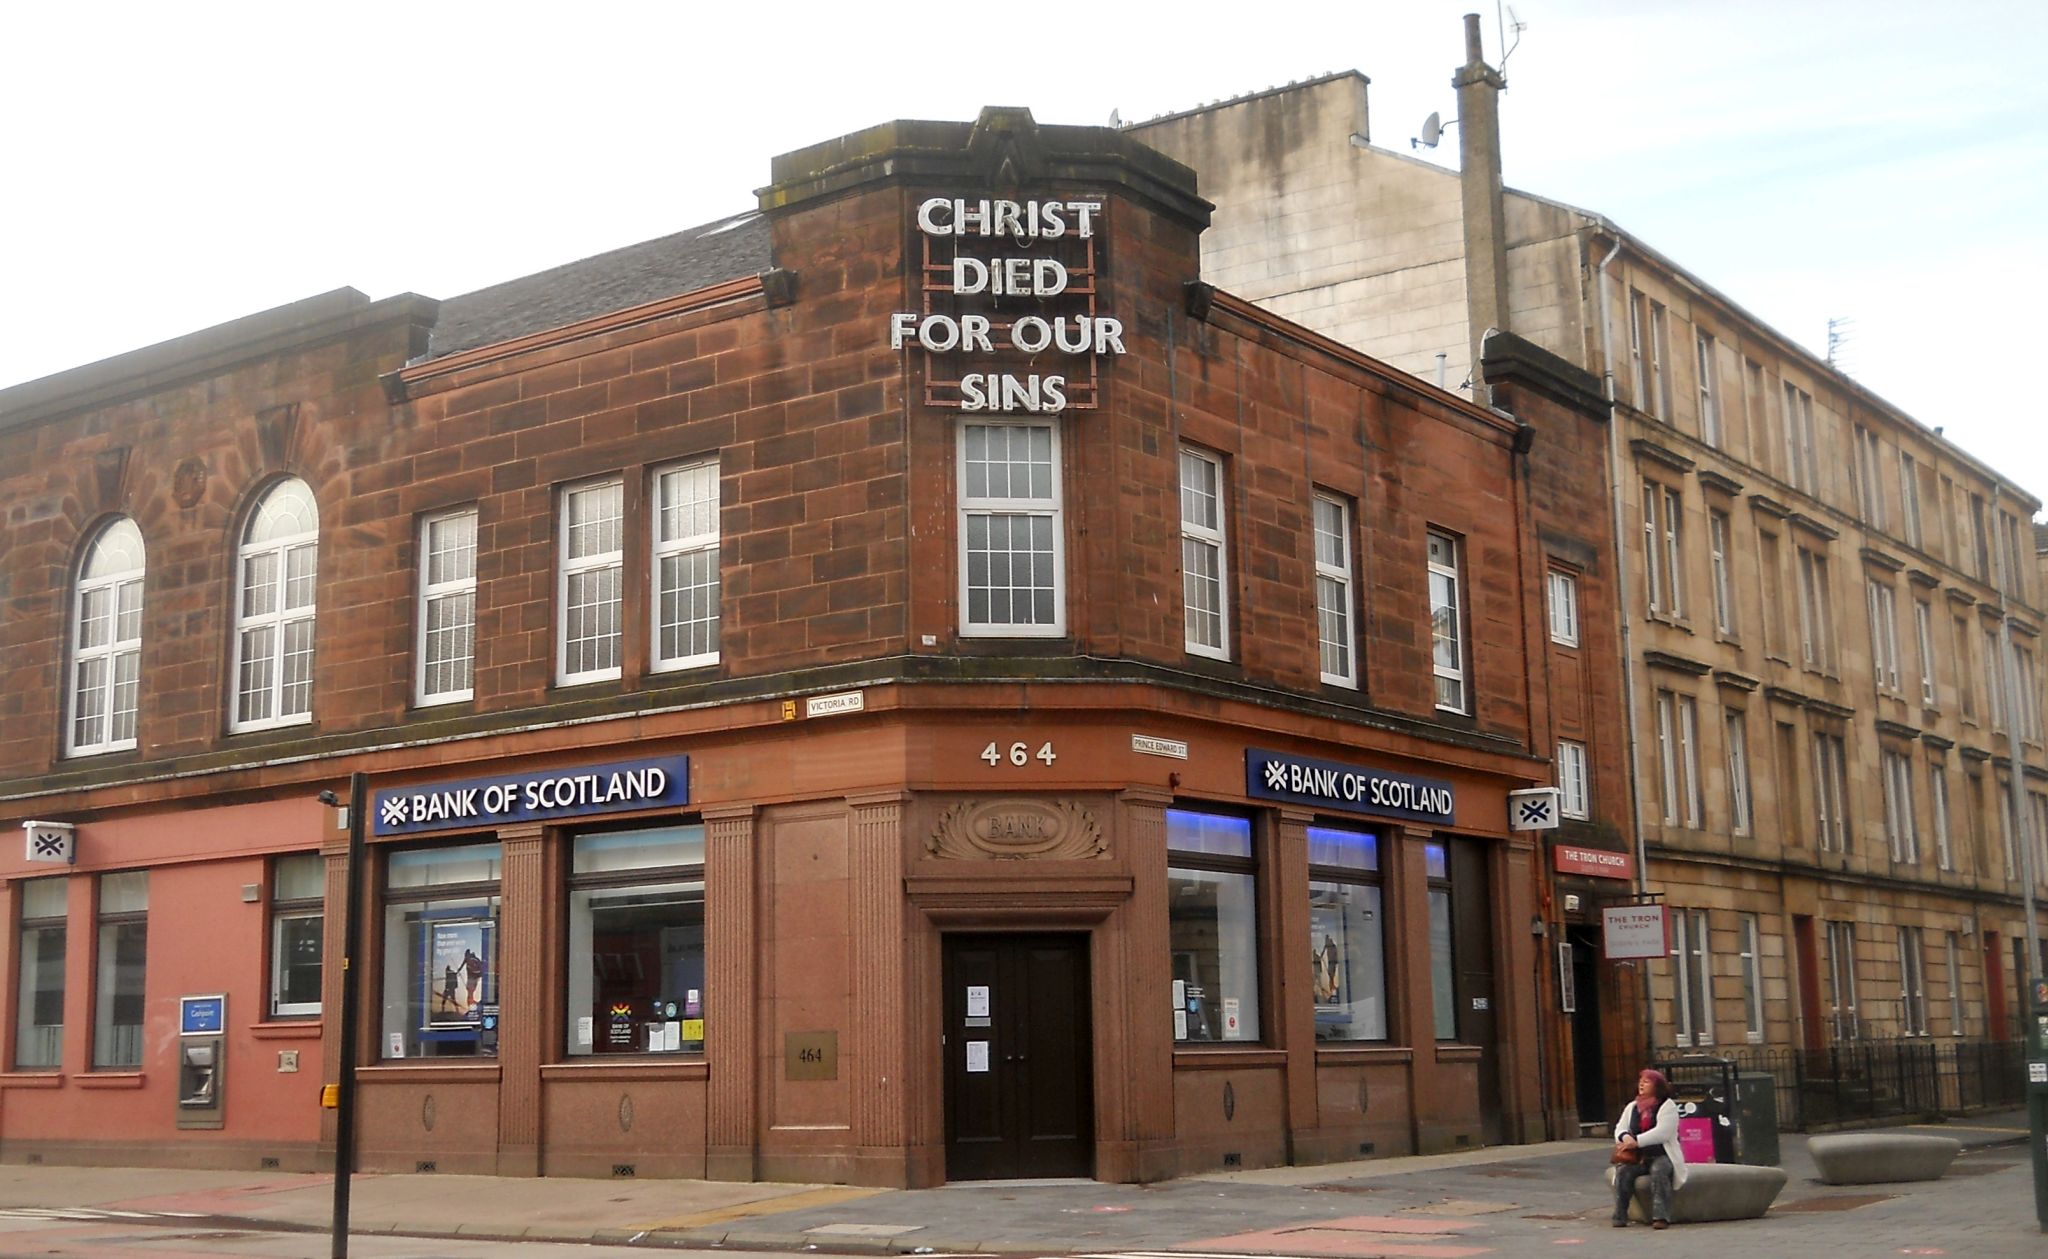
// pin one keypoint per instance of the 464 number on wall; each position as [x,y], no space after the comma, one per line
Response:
[1018,753]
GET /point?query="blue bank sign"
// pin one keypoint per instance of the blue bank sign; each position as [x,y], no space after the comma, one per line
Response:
[553,793]
[1352,788]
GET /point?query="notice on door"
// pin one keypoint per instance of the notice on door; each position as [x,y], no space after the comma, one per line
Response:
[977,1001]
[977,1057]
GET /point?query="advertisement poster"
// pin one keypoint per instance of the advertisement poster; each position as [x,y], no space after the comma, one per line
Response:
[456,977]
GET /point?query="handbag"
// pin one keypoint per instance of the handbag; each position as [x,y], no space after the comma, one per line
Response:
[1626,1155]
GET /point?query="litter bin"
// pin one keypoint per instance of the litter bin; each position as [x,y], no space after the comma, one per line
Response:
[1756,1119]
[1704,1088]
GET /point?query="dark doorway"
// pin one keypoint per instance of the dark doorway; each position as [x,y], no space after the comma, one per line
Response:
[1812,1029]
[1589,1068]
[1019,1073]
[1472,933]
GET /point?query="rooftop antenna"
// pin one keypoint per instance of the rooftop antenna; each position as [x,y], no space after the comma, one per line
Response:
[1432,131]
[1841,331]
[1511,24]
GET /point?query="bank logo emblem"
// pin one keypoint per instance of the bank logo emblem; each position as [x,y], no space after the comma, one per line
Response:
[1535,812]
[49,846]
[392,811]
[1276,775]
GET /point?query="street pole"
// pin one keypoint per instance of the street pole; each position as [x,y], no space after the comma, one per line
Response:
[351,1009]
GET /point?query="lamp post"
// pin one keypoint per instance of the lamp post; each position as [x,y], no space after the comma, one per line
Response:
[351,1003]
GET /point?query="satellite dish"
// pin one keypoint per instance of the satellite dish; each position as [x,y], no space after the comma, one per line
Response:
[1116,118]
[1432,129]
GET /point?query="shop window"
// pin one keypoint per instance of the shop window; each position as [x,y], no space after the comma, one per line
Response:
[1347,934]
[122,949]
[1447,621]
[587,591]
[39,999]
[447,611]
[1443,961]
[686,566]
[636,942]
[106,642]
[440,951]
[1333,590]
[274,609]
[1205,575]
[1212,927]
[298,889]
[1011,536]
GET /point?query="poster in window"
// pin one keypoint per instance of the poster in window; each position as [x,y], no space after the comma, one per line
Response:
[456,978]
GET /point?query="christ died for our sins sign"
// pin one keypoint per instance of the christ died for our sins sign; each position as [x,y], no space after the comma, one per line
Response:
[1009,321]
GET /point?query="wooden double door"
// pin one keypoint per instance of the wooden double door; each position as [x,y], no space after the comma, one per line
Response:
[1019,1067]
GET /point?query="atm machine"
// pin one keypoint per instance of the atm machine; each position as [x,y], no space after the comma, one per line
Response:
[202,1032]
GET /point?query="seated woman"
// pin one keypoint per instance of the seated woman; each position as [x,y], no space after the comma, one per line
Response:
[1648,1127]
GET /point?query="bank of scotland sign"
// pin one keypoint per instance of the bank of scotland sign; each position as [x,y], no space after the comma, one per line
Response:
[1352,788]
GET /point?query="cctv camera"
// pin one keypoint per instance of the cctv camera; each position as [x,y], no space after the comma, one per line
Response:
[331,800]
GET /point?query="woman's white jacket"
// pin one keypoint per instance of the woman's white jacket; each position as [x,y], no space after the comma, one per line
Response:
[1664,1132]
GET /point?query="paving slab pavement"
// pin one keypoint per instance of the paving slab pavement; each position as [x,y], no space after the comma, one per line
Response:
[1507,1201]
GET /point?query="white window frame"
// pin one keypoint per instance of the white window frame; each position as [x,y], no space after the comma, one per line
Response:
[1574,800]
[1994,681]
[113,654]
[1564,607]
[1923,629]
[1735,734]
[1955,988]
[1335,625]
[1710,389]
[1692,958]
[569,566]
[1717,544]
[1445,555]
[1944,852]
[433,594]
[1869,458]
[281,620]
[1663,543]
[1799,453]
[1900,832]
[1884,635]
[1202,537]
[1829,791]
[1752,943]
[1689,756]
[1660,361]
[283,911]
[1816,629]
[1909,499]
[1912,984]
[1843,1018]
[1637,337]
[679,531]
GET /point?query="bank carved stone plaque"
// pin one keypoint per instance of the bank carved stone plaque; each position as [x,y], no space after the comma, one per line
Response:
[1016,829]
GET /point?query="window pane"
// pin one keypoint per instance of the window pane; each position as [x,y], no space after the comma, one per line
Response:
[1442,982]
[117,987]
[1212,927]
[39,1022]
[440,967]
[1214,833]
[636,969]
[299,878]
[297,948]
[425,867]
[1350,980]
[124,893]
[1356,850]
[638,850]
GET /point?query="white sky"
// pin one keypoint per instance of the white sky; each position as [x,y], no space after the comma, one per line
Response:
[164,168]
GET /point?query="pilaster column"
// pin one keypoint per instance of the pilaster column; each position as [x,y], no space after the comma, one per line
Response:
[523,905]
[731,931]
[881,1004]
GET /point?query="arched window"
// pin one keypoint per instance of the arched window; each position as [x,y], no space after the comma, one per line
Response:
[274,610]
[106,655]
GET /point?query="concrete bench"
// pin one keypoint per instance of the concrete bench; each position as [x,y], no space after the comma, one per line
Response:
[1716,1191]
[1877,1158]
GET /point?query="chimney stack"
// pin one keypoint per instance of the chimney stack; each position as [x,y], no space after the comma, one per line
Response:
[1485,210]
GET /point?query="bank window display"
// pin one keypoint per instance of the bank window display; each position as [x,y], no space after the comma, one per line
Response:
[298,895]
[1212,927]
[1011,535]
[447,613]
[1347,934]
[1443,964]
[39,997]
[120,955]
[440,989]
[106,643]
[686,565]
[636,942]
[274,609]
[587,593]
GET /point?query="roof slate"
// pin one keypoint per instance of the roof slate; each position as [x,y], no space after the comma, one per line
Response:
[708,254]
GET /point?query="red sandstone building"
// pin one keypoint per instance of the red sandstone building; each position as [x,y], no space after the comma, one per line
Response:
[906,685]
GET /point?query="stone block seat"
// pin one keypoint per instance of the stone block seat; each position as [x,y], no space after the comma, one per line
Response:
[1877,1158]
[1716,1191]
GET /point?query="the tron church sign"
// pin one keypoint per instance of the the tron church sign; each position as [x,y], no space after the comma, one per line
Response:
[1009,292]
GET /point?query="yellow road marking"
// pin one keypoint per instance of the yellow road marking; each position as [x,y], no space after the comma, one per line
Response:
[766,1206]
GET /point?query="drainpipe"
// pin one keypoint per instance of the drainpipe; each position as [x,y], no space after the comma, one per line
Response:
[1625,605]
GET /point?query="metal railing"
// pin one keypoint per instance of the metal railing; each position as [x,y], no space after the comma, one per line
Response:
[1858,1081]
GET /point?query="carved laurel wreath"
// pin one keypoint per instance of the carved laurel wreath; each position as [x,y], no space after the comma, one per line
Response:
[1068,832]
